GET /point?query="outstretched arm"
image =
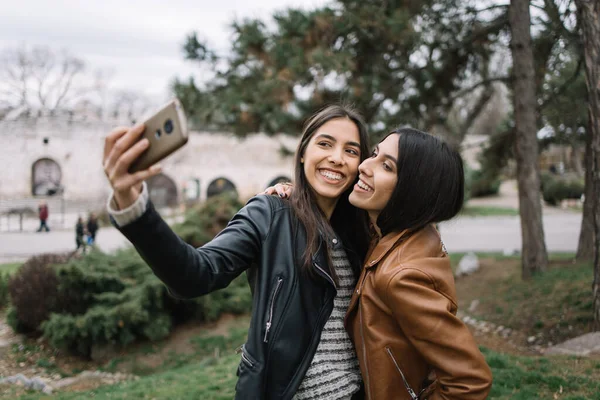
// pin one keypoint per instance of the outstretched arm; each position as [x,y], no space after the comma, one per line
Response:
[191,272]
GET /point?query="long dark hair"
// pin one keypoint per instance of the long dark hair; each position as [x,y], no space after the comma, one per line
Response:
[347,221]
[430,185]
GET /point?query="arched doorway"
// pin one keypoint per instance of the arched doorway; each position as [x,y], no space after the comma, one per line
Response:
[162,190]
[220,185]
[279,179]
[46,177]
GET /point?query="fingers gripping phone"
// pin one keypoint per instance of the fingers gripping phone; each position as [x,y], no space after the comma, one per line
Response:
[166,131]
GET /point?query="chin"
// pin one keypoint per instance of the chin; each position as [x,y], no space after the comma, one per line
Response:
[354,200]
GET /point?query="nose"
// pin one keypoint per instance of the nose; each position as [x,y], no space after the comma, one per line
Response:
[364,168]
[337,156]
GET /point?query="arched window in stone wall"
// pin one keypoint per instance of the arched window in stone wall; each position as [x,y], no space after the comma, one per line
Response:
[220,185]
[46,178]
[279,179]
[162,190]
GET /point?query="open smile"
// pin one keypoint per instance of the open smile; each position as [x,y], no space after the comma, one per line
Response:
[363,186]
[331,175]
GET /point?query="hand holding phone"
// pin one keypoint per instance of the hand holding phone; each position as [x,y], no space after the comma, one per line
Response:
[130,153]
[166,132]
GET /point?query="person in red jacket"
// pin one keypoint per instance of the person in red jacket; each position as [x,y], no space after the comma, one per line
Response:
[43,215]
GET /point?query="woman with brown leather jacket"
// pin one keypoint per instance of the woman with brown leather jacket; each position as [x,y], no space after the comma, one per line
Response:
[402,316]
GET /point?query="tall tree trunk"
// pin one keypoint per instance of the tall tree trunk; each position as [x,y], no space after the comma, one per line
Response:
[534,254]
[589,18]
[585,248]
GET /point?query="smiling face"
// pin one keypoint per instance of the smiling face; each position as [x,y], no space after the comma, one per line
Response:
[330,161]
[377,178]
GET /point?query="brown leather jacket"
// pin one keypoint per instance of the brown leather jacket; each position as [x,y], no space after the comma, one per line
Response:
[402,319]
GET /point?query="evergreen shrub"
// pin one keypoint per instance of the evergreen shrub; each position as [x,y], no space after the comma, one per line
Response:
[33,291]
[484,184]
[116,299]
[3,290]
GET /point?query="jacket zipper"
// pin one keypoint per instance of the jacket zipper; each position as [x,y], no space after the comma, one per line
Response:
[271,307]
[326,274]
[411,392]
[362,282]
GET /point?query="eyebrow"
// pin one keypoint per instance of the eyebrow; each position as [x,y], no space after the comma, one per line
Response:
[326,136]
[387,155]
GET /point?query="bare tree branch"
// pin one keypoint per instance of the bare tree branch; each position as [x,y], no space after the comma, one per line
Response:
[484,98]
[471,88]
[40,77]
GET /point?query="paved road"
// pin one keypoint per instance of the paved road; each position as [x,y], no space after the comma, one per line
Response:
[461,234]
[504,233]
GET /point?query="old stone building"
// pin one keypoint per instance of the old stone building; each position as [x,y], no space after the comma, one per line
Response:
[59,157]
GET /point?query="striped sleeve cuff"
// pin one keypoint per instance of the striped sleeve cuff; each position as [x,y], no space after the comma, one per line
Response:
[131,213]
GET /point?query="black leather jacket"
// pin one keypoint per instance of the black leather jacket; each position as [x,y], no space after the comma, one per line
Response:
[289,307]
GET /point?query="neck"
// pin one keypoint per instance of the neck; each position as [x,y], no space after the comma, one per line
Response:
[373,219]
[327,206]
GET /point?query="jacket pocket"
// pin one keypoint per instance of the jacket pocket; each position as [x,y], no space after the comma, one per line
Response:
[246,360]
[271,308]
[249,384]
[413,395]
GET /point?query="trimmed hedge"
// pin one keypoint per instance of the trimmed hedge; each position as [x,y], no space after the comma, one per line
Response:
[480,183]
[555,190]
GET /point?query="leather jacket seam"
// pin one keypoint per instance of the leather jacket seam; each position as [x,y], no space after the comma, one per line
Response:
[429,277]
[402,269]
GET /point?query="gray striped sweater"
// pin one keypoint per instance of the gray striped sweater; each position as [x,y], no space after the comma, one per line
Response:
[334,373]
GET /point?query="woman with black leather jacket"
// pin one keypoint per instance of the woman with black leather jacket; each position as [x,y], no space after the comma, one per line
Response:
[306,255]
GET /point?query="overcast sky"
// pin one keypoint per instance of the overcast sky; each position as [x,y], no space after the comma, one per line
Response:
[139,41]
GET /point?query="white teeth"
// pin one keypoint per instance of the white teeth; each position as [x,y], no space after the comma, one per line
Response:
[331,175]
[363,186]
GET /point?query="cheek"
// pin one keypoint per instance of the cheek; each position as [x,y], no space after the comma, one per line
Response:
[353,168]
[391,186]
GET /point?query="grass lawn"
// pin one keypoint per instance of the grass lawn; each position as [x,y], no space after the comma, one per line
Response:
[487,211]
[9,268]
[515,377]
[556,305]
[6,270]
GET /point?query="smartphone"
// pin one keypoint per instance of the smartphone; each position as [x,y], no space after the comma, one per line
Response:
[166,131]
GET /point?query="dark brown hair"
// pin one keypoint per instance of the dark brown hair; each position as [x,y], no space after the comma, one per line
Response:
[430,187]
[347,221]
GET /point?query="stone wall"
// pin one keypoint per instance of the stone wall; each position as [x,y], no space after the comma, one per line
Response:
[250,164]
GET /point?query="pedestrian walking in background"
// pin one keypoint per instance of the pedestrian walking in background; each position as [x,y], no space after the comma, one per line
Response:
[79,235]
[43,215]
[92,228]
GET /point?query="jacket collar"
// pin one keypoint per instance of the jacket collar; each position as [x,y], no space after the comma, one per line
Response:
[319,260]
[380,248]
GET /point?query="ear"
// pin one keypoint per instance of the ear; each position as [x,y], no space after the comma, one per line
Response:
[302,160]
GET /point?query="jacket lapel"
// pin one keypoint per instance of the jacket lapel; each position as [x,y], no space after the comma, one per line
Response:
[378,250]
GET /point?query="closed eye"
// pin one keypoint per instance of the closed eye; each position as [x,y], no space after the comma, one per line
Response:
[324,144]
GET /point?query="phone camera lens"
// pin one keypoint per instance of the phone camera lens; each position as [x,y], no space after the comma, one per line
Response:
[157,133]
[168,126]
